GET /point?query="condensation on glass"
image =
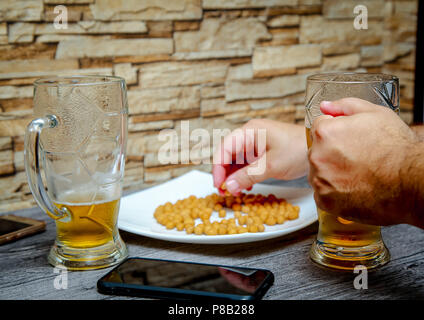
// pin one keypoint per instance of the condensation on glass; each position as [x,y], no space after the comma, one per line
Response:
[74,159]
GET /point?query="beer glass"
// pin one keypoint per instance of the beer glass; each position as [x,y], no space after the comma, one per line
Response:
[74,160]
[340,243]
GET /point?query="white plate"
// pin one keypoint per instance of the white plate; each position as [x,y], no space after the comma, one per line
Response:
[136,213]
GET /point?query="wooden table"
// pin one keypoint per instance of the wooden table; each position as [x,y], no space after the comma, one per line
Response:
[25,273]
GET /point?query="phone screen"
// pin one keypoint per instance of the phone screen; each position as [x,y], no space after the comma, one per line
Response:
[8,226]
[188,276]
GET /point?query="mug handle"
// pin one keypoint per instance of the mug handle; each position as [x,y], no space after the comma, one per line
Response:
[32,167]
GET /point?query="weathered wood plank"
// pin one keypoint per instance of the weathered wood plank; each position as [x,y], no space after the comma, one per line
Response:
[25,273]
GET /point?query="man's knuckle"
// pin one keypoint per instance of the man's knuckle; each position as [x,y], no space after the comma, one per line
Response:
[316,183]
[321,129]
[313,159]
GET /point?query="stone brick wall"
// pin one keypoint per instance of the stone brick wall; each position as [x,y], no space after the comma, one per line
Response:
[217,63]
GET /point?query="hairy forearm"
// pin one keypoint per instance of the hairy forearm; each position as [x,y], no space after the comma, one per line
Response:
[419,131]
[412,182]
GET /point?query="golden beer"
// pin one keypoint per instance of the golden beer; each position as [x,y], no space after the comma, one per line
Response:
[92,224]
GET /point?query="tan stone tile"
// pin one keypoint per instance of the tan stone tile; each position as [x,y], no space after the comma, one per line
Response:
[337,48]
[208,92]
[280,113]
[113,47]
[372,56]
[3,29]
[113,10]
[93,27]
[336,9]
[21,32]
[6,162]
[18,161]
[316,29]
[218,106]
[265,88]
[162,29]
[167,74]
[21,10]
[5,143]
[135,144]
[342,62]
[269,61]
[31,67]
[151,125]
[153,176]
[282,36]
[126,71]
[393,50]
[163,100]
[174,115]
[14,127]
[11,92]
[68,1]
[221,38]
[240,72]
[241,4]
[286,20]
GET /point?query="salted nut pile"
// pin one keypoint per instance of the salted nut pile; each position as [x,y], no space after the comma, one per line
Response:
[251,212]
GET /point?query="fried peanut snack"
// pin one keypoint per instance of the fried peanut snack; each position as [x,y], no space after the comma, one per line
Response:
[251,212]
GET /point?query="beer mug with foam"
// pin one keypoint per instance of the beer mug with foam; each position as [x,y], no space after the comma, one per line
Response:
[74,160]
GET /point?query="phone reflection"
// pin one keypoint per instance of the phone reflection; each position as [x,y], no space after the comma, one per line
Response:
[188,276]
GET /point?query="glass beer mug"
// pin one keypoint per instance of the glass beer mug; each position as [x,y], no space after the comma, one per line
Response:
[74,160]
[340,243]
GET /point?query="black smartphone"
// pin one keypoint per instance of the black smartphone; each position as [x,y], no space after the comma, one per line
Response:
[13,227]
[167,279]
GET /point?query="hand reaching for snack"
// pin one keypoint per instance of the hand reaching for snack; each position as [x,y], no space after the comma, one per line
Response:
[284,155]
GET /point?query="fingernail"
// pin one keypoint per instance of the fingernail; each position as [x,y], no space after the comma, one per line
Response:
[232,186]
[326,103]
